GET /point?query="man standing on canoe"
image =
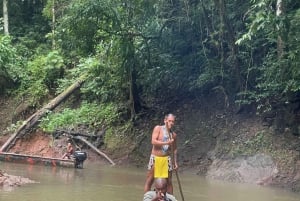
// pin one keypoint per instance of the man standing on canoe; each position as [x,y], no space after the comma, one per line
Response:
[160,163]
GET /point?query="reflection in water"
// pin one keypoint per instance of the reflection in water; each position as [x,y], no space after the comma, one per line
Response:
[105,183]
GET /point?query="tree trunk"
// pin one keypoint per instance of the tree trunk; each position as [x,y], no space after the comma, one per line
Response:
[5,17]
[34,119]
[131,95]
[280,43]
[53,26]
[230,37]
[94,148]
[135,101]
[130,67]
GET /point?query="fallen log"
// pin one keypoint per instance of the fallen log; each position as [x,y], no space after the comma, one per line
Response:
[94,148]
[34,119]
[73,133]
[97,140]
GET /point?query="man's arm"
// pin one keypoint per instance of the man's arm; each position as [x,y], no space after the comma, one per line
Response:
[155,136]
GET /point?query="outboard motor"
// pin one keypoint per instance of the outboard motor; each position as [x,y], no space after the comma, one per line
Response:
[79,157]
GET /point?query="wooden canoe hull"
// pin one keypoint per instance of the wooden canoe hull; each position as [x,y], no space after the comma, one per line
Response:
[36,160]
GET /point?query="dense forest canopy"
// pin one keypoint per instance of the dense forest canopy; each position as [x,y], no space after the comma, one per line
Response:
[137,54]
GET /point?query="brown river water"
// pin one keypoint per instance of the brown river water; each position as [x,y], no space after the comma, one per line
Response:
[106,183]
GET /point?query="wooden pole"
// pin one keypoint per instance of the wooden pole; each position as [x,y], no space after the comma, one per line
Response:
[179,185]
[173,164]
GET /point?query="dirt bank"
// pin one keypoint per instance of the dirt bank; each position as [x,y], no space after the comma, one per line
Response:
[38,144]
[213,138]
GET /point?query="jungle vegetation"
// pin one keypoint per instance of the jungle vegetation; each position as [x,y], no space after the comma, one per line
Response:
[137,54]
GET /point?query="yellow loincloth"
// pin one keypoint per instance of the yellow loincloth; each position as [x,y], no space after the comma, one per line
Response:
[161,167]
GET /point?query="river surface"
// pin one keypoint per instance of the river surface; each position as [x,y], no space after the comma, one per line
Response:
[106,183]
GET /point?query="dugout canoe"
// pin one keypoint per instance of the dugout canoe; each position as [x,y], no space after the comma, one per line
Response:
[36,160]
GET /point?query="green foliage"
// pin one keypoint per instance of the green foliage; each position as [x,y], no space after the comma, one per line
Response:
[292,57]
[8,58]
[262,18]
[118,135]
[41,76]
[82,20]
[11,64]
[89,114]
[277,77]
[158,51]
[102,82]
[263,142]
[25,20]
[59,8]
[13,127]
[260,143]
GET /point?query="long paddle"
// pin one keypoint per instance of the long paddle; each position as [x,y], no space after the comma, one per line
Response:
[173,163]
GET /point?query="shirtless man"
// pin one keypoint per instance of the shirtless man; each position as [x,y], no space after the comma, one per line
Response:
[69,151]
[162,148]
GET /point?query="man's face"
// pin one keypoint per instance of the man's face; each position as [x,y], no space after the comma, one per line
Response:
[170,121]
[161,193]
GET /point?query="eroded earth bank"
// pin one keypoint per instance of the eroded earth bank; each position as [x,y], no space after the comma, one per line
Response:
[219,140]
